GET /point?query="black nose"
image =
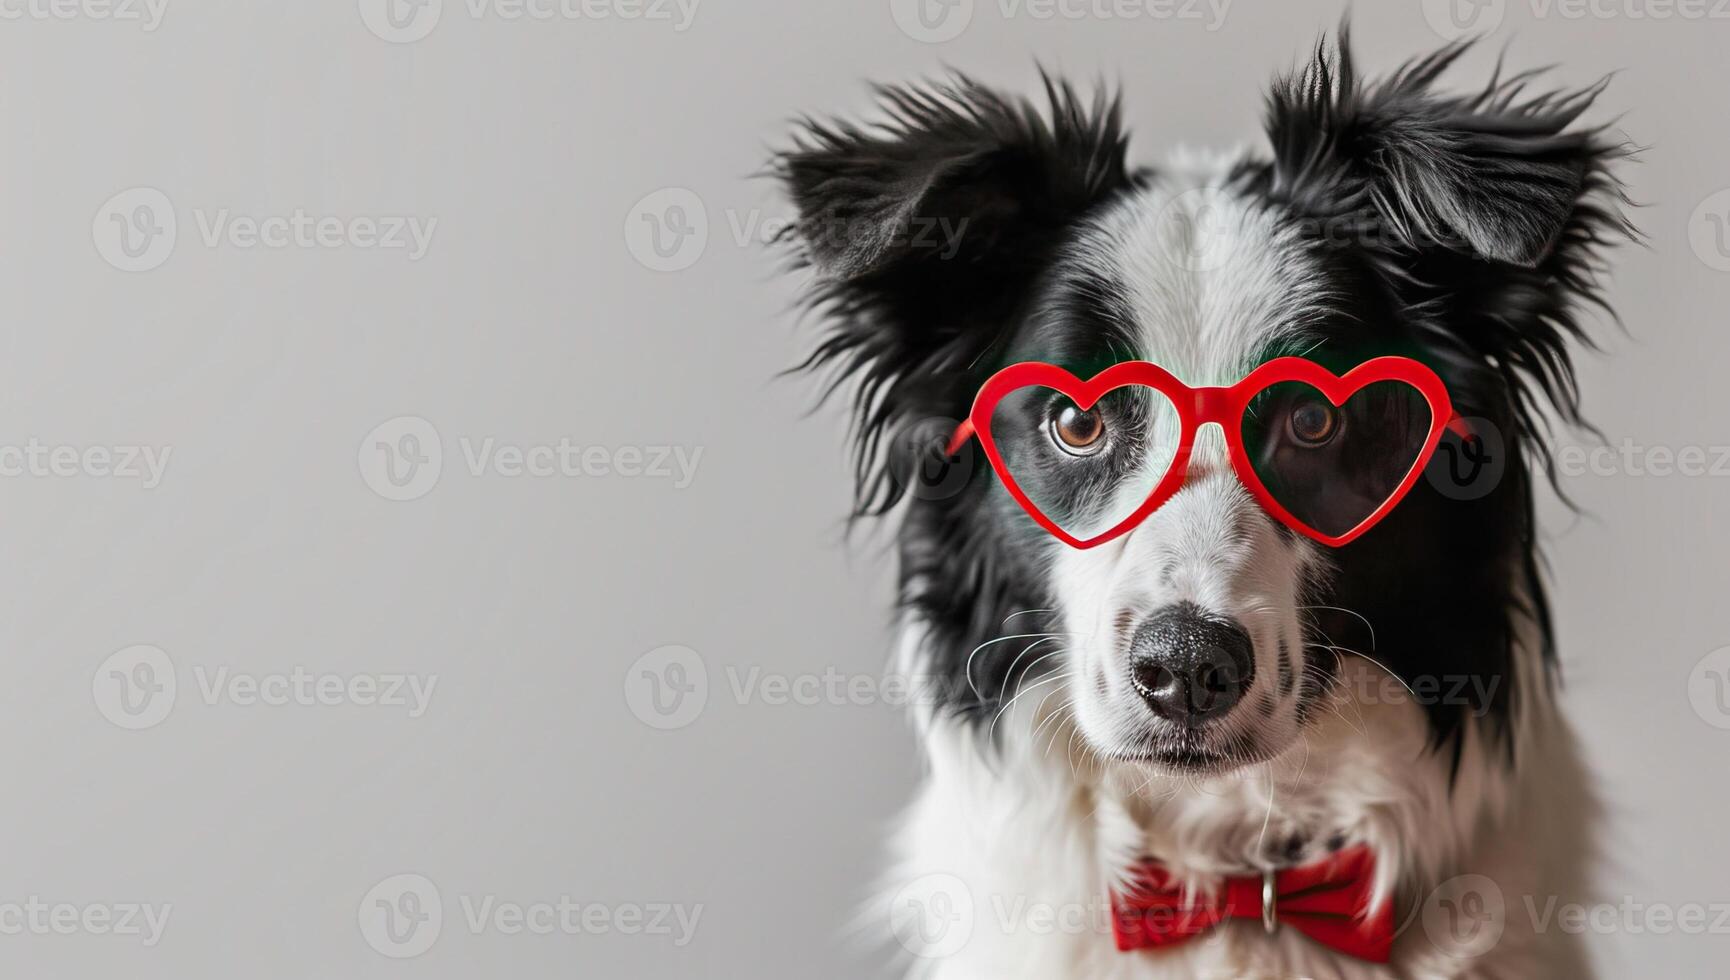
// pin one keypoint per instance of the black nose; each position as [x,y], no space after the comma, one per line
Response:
[1190,666]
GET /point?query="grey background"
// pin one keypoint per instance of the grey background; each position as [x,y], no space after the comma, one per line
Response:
[531,318]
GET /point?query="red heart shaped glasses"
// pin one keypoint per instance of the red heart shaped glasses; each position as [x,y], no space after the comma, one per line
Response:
[1328,456]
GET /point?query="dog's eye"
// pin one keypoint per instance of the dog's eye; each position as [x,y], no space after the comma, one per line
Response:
[1077,432]
[1314,422]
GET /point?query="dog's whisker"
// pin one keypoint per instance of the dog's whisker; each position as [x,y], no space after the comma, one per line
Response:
[1010,672]
[1303,766]
[1019,695]
[1357,653]
[1021,692]
[1022,680]
[1350,612]
[967,668]
[1337,705]
[1049,718]
[1267,818]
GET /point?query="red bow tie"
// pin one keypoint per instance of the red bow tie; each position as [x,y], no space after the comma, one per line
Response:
[1327,901]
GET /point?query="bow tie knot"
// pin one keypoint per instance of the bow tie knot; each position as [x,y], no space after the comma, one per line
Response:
[1328,901]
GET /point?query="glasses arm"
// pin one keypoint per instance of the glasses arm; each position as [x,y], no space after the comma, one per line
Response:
[1456,424]
[963,432]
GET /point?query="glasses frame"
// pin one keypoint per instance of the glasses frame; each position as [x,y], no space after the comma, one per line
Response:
[1196,407]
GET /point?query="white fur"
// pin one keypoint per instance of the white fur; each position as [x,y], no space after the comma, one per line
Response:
[1022,842]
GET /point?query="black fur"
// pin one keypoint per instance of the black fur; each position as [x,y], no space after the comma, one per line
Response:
[914,331]
[1483,216]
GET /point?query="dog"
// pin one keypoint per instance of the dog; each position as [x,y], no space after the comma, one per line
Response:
[1208,701]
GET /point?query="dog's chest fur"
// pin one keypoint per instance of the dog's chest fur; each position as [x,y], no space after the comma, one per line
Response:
[1006,859]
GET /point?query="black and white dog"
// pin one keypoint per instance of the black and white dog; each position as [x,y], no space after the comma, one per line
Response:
[1392,696]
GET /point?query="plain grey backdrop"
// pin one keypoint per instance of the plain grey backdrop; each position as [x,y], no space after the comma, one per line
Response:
[534,465]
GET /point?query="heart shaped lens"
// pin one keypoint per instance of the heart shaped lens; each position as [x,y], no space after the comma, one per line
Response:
[1087,470]
[1333,466]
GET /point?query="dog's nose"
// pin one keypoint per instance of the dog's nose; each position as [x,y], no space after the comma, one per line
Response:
[1190,666]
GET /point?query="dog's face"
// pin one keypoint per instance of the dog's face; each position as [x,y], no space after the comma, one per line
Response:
[1389,221]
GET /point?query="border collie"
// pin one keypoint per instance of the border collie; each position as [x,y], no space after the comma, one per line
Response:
[1389,701]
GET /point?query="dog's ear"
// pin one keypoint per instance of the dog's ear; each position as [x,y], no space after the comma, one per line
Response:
[1485,213]
[994,169]
[1492,174]
[926,232]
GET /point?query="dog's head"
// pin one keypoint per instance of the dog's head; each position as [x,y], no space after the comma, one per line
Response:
[971,230]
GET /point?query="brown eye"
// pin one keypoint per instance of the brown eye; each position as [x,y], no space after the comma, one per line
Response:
[1314,422]
[1077,432]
